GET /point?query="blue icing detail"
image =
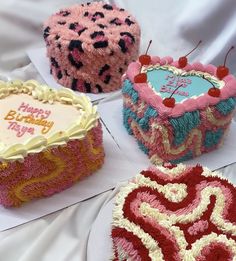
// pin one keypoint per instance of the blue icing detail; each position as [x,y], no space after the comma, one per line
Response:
[127,113]
[183,125]
[142,122]
[143,147]
[212,138]
[128,88]
[165,79]
[226,106]
[187,156]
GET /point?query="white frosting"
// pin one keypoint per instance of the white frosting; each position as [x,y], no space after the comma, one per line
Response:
[61,116]
[34,117]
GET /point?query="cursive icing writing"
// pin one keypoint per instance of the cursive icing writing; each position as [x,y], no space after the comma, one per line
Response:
[15,116]
[36,112]
[173,82]
[19,129]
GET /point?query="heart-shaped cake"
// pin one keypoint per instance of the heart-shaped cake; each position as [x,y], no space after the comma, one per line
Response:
[175,213]
[177,113]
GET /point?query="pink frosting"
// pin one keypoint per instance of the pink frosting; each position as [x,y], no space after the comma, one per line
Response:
[86,26]
[148,95]
[77,157]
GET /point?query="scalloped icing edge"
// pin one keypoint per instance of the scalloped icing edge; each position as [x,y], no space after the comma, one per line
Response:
[45,94]
[147,94]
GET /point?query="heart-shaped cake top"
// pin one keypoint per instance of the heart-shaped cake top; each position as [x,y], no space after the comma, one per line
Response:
[163,76]
[165,79]
[199,223]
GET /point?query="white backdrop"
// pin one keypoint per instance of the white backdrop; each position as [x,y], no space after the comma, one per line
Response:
[175,27]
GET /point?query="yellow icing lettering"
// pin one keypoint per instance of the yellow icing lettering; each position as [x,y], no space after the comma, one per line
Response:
[20,117]
[10,116]
[47,127]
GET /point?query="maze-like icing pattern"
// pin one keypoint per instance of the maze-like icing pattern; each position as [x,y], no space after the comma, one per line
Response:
[51,171]
[177,213]
[90,46]
[175,139]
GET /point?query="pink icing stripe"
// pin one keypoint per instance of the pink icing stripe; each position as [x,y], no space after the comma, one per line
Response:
[155,60]
[148,95]
[155,203]
[150,199]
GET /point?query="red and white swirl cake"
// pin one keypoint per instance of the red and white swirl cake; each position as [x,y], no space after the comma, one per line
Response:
[173,213]
[90,46]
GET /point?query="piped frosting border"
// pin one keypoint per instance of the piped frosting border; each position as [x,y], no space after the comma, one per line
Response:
[45,94]
[228,87]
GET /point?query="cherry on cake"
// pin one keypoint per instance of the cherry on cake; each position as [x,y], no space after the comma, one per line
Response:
[176,110]
[175,213]
[89,46]
[50,139]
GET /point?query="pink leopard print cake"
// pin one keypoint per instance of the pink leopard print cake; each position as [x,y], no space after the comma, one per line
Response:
[175,213]
[90,46]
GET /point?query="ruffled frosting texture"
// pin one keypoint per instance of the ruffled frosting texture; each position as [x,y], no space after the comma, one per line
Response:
[176,212]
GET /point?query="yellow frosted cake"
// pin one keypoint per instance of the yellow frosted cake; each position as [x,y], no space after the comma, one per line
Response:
[49,139]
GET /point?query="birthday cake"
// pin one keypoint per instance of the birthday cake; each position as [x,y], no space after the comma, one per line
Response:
[89,46]
[175,213]
[175,110]
[50,139]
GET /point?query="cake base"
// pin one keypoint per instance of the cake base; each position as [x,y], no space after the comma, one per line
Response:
[50,171]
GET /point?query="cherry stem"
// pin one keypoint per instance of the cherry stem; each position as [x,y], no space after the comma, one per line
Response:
[194,48]
[232,47]
[150,42]
[176,88]
[208,81]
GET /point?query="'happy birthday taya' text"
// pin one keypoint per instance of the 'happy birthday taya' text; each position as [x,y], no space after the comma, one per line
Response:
[26,114]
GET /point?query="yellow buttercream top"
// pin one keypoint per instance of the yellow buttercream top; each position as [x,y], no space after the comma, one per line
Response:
[86,121]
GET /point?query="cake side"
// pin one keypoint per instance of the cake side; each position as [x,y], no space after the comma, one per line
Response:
[175,213]
[89,46]
[51,171]
[176,134]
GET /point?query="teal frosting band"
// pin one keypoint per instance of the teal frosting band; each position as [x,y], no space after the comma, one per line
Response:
[127,88]
[183,125]
[226,106]
[212,138]
[142,122]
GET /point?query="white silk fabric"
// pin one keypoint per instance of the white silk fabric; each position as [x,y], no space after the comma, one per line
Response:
[175,27]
